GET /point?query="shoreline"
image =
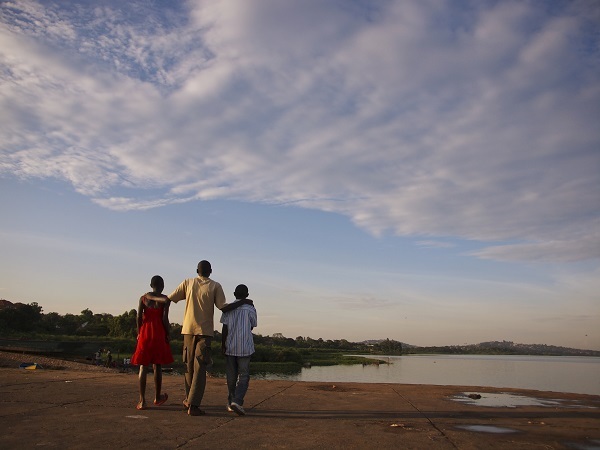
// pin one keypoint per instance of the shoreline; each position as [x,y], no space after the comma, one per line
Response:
[12,360]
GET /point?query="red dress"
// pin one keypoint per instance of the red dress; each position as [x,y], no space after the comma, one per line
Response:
[152,346]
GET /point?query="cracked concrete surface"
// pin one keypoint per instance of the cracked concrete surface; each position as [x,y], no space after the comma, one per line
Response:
[76,409]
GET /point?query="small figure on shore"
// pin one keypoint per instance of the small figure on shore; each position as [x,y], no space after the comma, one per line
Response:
[152,341]
[238,346]
[108,358]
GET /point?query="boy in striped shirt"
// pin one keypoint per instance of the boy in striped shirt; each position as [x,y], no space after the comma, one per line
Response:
[238,346]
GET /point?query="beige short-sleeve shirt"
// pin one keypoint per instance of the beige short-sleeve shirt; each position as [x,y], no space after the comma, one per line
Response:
[201,295]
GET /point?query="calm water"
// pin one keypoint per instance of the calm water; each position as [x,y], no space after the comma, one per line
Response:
[544,373]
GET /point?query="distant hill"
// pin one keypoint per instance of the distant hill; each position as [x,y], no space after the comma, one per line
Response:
[501,348]
[534,349]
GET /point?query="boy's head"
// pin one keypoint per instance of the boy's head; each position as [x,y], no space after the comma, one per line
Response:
[204,268]
[241,291]
[157,283]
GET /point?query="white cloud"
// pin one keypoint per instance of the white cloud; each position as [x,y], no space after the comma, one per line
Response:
[586,247]
[412,117]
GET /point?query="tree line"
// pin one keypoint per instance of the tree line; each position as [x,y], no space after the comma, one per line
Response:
[16,318]
[19,318]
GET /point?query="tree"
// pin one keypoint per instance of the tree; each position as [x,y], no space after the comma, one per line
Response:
[86,316]
[124,325]
[176,332]
[389,347]
[51,322]
[21,317]
[69,324]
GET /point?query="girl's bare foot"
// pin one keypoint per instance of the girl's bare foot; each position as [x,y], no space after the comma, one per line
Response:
[161,399]
[141,405]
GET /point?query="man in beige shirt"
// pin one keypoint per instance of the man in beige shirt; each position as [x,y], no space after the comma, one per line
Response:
[201,295]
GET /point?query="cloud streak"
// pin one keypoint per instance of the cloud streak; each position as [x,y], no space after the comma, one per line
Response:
[415,118]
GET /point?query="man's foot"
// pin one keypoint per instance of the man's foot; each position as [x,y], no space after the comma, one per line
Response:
[140,406]
[195,411]
[238,409]
[229,408]
[186,405]
[161,399]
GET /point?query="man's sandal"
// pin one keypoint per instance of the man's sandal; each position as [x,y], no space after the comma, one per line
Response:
[195,411]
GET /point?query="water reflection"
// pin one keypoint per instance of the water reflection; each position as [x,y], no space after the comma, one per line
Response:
[487,429]
[503,400]
[560,374]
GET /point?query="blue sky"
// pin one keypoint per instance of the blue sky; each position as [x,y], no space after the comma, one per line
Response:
[425,171]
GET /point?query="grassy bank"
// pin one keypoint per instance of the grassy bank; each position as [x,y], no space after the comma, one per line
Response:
[267,359]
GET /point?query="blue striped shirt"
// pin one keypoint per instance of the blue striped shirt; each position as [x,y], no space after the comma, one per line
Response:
[239,323]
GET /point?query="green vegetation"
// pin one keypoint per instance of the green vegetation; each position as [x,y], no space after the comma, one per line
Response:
[27,328]
[273,359]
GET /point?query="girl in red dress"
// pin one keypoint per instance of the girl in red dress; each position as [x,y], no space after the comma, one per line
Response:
[152,341]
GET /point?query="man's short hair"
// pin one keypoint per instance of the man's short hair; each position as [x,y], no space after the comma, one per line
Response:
[204,268]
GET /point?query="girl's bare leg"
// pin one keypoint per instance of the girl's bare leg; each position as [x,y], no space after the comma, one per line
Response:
[142,377]
[157,381]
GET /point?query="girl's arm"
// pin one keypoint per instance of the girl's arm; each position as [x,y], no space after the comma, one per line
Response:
[140,313]
[166,323]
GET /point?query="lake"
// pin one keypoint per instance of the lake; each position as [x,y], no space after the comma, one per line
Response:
[574,374]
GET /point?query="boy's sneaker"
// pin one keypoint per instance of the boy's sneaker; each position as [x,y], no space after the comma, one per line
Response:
[238,409]
[229,408]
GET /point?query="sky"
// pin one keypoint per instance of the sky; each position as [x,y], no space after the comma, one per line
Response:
[424,171]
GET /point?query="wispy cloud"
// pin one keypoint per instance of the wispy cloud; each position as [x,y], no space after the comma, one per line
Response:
[435,244]
[585,247]
[416,118]
[364,303]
